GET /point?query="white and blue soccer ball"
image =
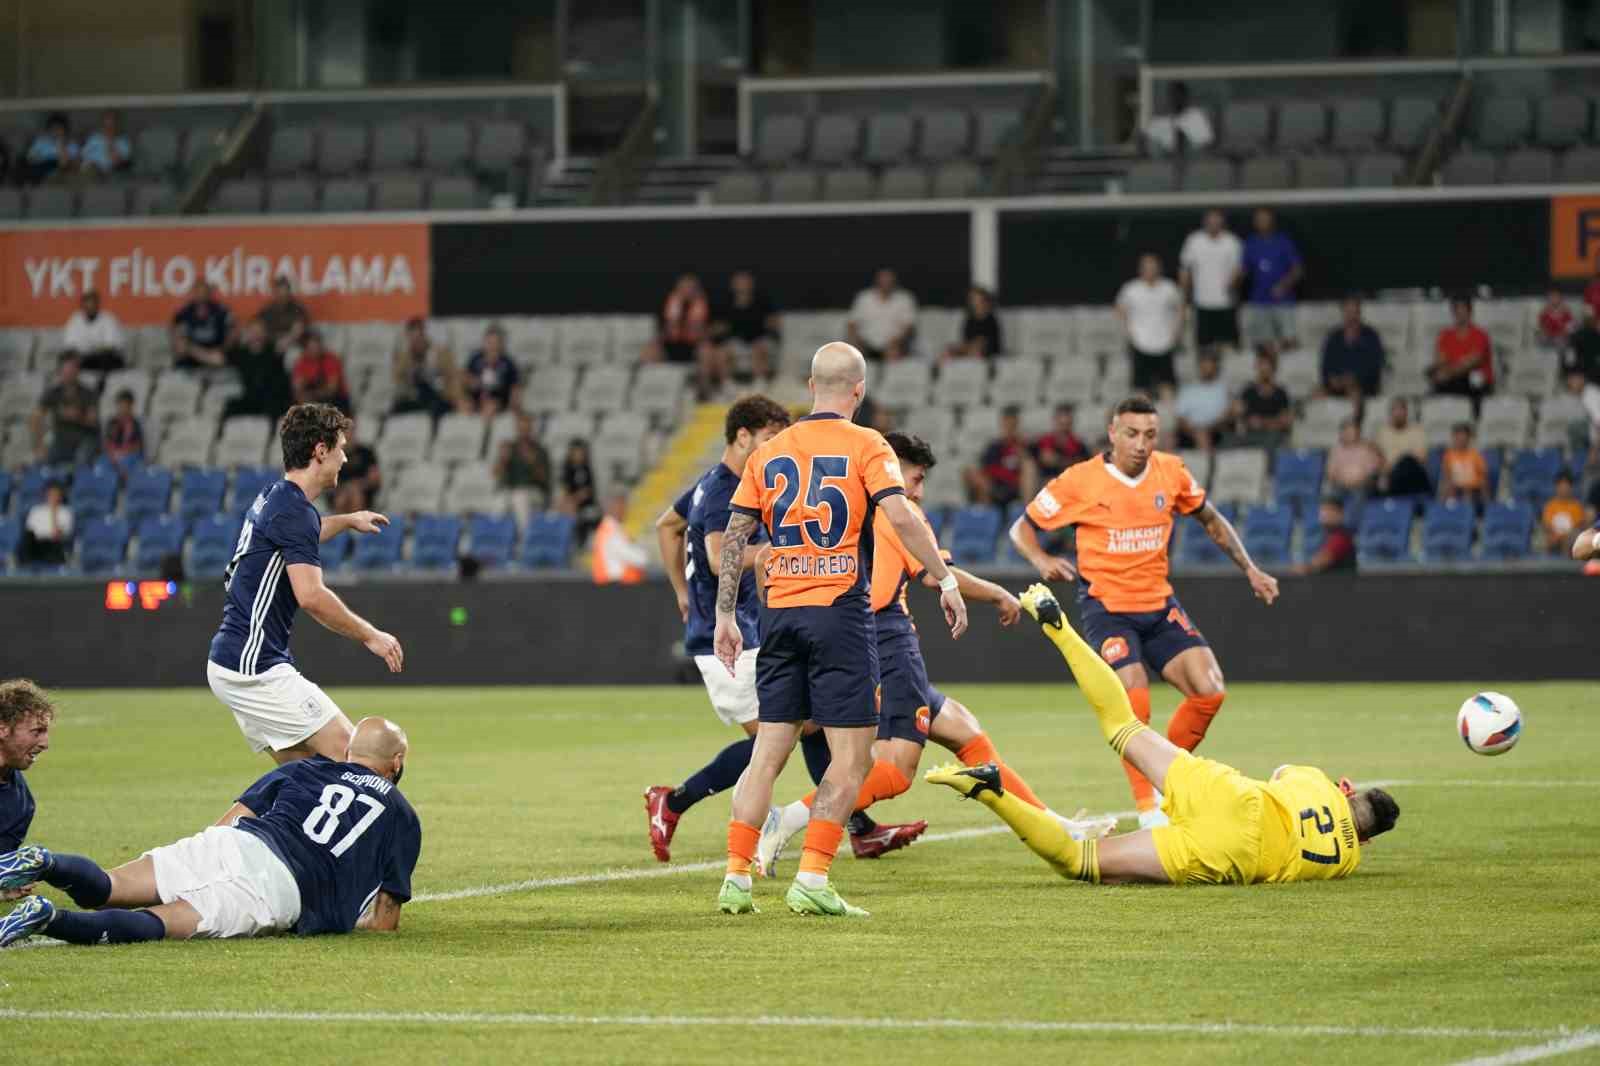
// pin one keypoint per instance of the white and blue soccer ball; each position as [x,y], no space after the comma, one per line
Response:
[1490,723]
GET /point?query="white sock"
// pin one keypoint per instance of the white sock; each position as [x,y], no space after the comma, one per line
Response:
[793,818]
[740,880]
[806,880]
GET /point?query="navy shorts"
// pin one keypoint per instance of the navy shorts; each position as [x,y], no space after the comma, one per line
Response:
[819,663]
[910,703]
[1152,637]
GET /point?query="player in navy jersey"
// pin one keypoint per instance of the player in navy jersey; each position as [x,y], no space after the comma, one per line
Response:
[277,569]
[25,717]
[315,846]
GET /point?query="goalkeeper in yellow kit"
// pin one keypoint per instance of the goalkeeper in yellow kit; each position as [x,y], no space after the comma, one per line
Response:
[1225,828]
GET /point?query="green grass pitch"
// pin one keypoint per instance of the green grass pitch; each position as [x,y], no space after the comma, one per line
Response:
[1470,931]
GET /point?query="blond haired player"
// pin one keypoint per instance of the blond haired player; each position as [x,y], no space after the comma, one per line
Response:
[1123,504]
[1224,828]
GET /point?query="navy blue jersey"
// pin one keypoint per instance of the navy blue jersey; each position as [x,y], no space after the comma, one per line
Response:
[16,811]
[342,830]
[280,529]
[705,508]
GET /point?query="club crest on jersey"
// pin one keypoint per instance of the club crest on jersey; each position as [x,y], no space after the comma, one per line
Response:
[1114,650]
[1161,501]
[924,720]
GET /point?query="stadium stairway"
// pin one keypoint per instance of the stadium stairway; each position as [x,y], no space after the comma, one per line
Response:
[693,448]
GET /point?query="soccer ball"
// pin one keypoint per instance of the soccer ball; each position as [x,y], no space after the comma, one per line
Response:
[1490,723]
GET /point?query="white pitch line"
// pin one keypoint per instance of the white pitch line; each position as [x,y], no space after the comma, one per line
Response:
[444,1018]
[1487,782]
[1533,1053]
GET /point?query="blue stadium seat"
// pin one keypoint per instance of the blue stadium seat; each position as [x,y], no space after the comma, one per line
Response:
[1385,532]
[200,492]
[1268,532]
[94,492]
[5,491]
[211,548]
[433,541]
[159,537]
[335,553]
[973,533]
[30,488]
[494,539]
[939,519]
[103,544]
[1533,474]
[1194,548]
[10,537]
[378,551]
[1297,478]
[248,481]
[147,493]
[1447,531]
[548,541]
[1507,530]
[1494,459]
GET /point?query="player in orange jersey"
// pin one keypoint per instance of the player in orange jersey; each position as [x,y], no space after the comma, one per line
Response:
[815,487]
[1123,504]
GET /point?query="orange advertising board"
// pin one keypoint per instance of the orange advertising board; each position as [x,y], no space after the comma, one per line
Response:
[340,272]
[1574,236]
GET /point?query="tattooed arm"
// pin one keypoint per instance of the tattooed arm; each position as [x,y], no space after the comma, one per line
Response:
[1220,530]
[730,566]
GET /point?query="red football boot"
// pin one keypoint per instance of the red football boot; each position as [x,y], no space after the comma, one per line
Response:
[663,822]
[885,838]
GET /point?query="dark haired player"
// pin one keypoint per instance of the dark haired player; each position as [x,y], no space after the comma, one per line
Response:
[25,717]
[250,668]
[1123,504]
[1224,828]
[315,846]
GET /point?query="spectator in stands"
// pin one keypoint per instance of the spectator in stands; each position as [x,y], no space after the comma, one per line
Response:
[522,468]
[201,330]
[1274,265]
[52,151]
[1464,472]
[361,477]
[1354,463]
[95,335]
[1583,349]
[1352,355]
[683,332]
[1263,411]
[1563,517]
[744,331]
[492,382]
[1005,472]
[1061,447]
[1338,549]
[285,318]
[1577,406]
[1556,323]
[1204,405]
[614,557]
[124,436]
[318,375]
[107,150]
[1210,267]
[980,328]
[1152,312]
[1591,296]
[883,319]
[1405,453]
[426,376]
[577,488]
[47,530]
[1183,128]
[72,410]
[1463,360]
[264,383]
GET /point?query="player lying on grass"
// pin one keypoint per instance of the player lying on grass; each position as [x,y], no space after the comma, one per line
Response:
[315,846]
[911,711]
[25,717]
[1224,827]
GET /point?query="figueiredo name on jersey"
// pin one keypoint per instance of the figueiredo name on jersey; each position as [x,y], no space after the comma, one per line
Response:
[788,565]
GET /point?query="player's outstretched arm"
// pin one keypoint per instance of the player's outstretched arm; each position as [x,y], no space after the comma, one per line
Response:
[1221,531]
[383,916]
[672,534]
[357,521]
[978,590]
[918,539]
[1050,567]
[321,603]
[728,642]
[1587,544]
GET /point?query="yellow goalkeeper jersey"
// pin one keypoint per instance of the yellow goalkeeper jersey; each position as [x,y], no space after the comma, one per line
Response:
[1318,839]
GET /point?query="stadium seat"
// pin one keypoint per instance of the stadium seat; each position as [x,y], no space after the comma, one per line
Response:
[793,187]
[200,492]
[1268,532]
[1240,475]
[418,489]
[5,491]
[1297,478]
[292,196]
[446,146]
[1302,124]
[397,192]
[1245,124]
[211,545]
[31,486]
[243,441]
[459,438]
[1266,172]
[780,139]
[1195,548]
[159,537]
[1447,531]
[238,196]
[381,550]
[492,539]
[737,187]
[102,544]
[147,493]
[291,150]
[155,152]
[1208,175]
[10,203]
[1378,170]
[1384,535]
[405,438]
[1533,474]
[1151,176]
[472,491]
[889,136]
[849,184]
[945,136]
[1322,172]
[1469,167]
[963,383]
[433,541]
[1507,530]
[1579,165]
[1504,422]
[995,129]
[452,193]
[51,202]
[346,195]
[1046,333]
[659,389]
[175,396]
[1528,166]
[1357,125]
[973,534]
[957,179]
[248,483]
[1561,121]
[834,138]
[548,540]
[94,492]
[604,389]
[1503,122]
[1018,382]
[10,537]
[903,183]
[1441,414]
[335,553]
[394,146]
[501,147]
[586,339]
[103,201]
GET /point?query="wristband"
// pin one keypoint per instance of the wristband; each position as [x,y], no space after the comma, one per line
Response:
[948,583]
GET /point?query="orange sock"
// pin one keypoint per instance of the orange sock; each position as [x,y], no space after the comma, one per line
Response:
[822,841]
[1191,720]
[883,781]
[1144,793]
[979,750]
[742,838]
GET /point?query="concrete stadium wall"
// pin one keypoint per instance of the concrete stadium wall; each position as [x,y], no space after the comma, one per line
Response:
[1499,628]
